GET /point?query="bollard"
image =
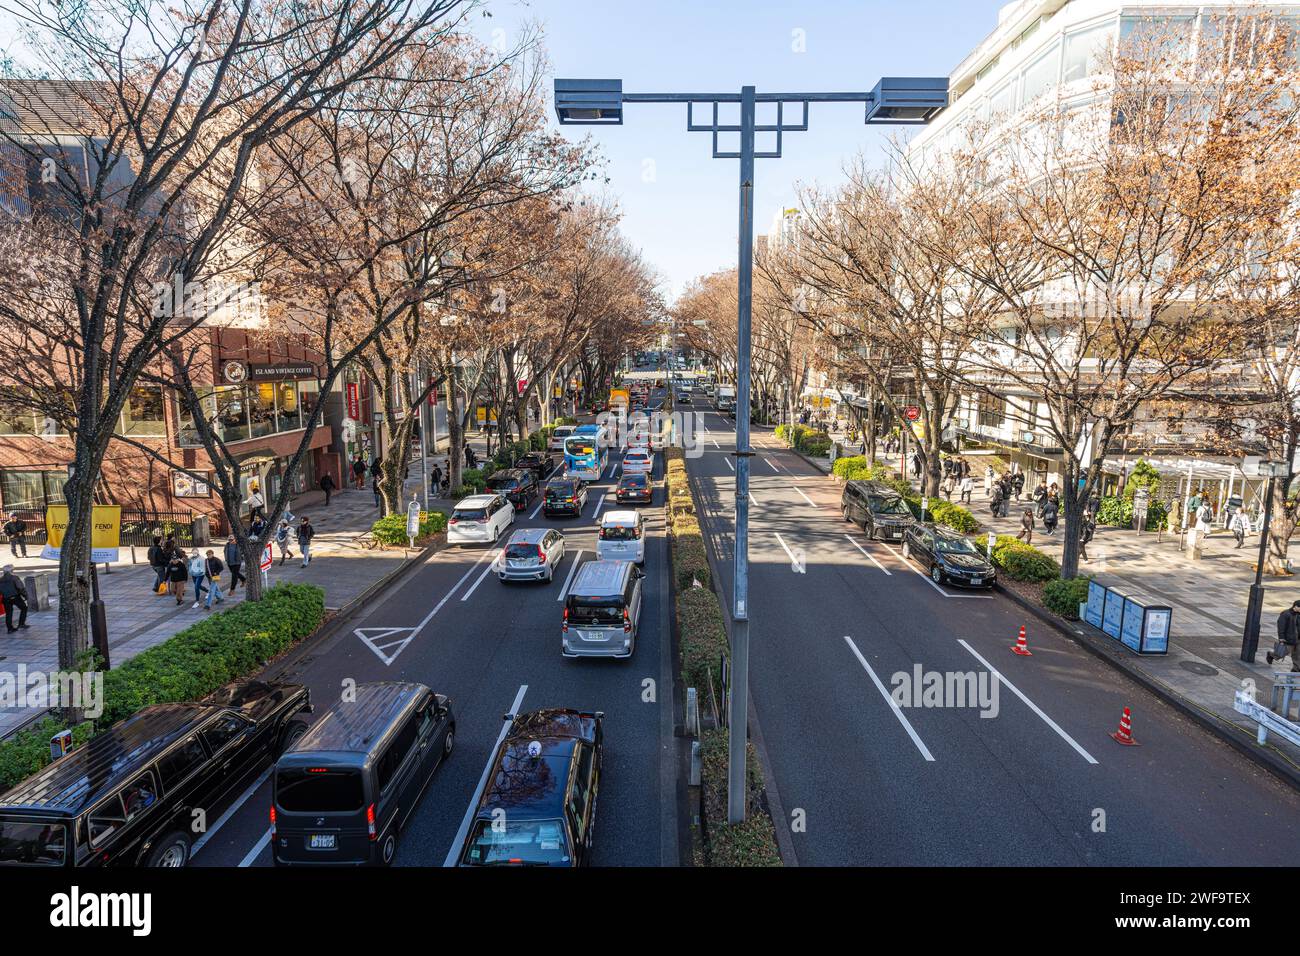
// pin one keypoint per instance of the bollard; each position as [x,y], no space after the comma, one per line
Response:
[692,712]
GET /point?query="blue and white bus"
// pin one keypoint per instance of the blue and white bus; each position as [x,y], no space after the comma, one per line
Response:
[586,452]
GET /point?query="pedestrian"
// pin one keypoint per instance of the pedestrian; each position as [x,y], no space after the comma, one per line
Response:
[967,488]
[1087,528]
[235,560]
[988,481]
[995,502]
[965,468]
[1040,495]
[256,504]
[436,480]
[916,464]
[176,575]
[358,472]
[14,593]
[377,468]
[198,568]
[1026,533]
[158,561]
[946,486]
[1018,484]
[16,530]
[327,486]
[1240,526]
[1288,632]
[305,533]
[283,541]
[1051,512]
[214,568]
[257,528]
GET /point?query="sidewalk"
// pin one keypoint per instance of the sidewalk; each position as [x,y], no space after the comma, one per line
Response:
[1208,597]
[139,619]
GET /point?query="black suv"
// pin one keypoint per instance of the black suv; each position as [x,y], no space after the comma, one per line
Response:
[564,496]
[131,795]
[948,556]
[516,485]
[634,489]
[539,805]
[538,462]
[880,511]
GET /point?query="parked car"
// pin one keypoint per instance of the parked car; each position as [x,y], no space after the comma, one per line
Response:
[531,554]
[634,489]
[880,511]
[516,485]
[128,796]
[556,441]
[948,556]
[540,463]
[479,519]
[602,611]
[343,791]
[564,496]
[621,537]
[539,805]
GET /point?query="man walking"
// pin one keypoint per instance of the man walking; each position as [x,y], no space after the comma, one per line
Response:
[234,560]
[282,541]
[305,533]
[358,472]
[256,503]
[198,569]
[1288,631]
[16,530]
[158,561]
[214,568]
[1087,528]
[1240,526]
[327,486]
[14,593]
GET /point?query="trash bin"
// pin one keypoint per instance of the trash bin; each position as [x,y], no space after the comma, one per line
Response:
[38,591]
[201,531]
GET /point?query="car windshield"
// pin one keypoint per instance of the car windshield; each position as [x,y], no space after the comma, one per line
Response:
[562,489]
[517,843]
[887,505]
[469,514]
[318,790]
[595,612]
[955,546]
[521,549]
[32,844]
[502,484]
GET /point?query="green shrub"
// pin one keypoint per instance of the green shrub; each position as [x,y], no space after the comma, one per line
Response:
[703,638]
[690,557]
[849,463]
[750,843]
[474,479]
[29,750]
[953,516]
[1117,512]
[1020,561]
[1063,596]
[391,528]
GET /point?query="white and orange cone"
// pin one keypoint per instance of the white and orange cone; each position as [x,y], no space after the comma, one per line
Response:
[1022,646]
[1125,733]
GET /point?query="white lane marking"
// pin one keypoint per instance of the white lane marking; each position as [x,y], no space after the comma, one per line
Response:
[898,711]
[256,851]
[454,851]
[225,817]
[477,581]
[789,553]
[538,508]
[926,578]
[807,499]
[869,555]
[715,443]
[564,591]
[729,464]
[1029,703]
[752,499]
[768,461]
[600,505]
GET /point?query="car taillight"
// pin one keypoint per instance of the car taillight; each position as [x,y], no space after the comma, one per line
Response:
[273,823]
[454,521]
[541,556]
[370,822]
[627,622]
[565,626]
[604,534]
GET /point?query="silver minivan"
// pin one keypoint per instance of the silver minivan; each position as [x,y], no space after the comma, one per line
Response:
[602,611]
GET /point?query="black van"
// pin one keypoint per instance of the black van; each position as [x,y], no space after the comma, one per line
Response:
[132,795]
[880,510]
[344,790]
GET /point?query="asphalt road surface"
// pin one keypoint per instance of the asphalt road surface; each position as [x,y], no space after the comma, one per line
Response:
[1041,783]
[494,647]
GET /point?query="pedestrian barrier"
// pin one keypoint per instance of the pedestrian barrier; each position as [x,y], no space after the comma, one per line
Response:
[1269,722]
[1021,646]
[1125,733]
[1284,688]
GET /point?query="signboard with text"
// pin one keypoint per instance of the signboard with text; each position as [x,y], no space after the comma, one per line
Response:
[354,401]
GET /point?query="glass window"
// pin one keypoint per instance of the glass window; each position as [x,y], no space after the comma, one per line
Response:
[261,408]
[32,844]
[1156,37]
[189,434]
[288,407]
[1040,76]
[232,413]
[24,490]
[181,762]
[396,752]
[16,419]
[308,396]
[1002,101]
[318,790]
[143,412]
[1084,52]
[226,728]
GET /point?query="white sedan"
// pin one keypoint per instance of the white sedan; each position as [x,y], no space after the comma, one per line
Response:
[638,461]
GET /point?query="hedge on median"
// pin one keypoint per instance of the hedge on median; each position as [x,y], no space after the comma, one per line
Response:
[703,637]
[751,843]
[391,528]
[1020,561]
[187,666]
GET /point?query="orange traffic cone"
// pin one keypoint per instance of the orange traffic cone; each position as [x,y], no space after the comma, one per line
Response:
[1125,733]
[1022,647]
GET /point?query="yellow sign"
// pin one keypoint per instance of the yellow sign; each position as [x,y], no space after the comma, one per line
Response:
[105,531]
[483,415]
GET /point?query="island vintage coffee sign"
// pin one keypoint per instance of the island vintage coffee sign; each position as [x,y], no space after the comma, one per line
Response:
[275,371]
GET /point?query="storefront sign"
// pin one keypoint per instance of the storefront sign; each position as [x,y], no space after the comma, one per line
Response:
[105,531]
[912,413]
[185,486]
[234,371]
[354,401]
[433,395]
[277,371]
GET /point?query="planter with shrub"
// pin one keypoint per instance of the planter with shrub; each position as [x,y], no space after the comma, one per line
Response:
[391,528]
[1064,595]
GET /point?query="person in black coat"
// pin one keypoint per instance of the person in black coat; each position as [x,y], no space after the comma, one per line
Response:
[158,561]
[14,593]
[327,486]
[16,530]
[1288,632]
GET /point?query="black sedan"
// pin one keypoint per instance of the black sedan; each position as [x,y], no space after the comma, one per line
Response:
[539,805]
[948,556]
[516,485]
[634,489]
[539,463]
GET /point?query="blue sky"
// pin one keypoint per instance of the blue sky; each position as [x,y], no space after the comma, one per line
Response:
[684,215]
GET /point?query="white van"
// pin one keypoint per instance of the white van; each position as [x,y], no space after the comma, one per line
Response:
[602,611]
[556,441]
[622,537]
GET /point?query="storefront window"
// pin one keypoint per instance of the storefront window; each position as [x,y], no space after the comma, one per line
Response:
[31,490]
[189,434]
[290,410]
[143,414]
[261,408]
[232,413]
[16,420]
[1040,76]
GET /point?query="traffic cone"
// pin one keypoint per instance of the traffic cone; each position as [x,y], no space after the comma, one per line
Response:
[1125,733]
[1022,647]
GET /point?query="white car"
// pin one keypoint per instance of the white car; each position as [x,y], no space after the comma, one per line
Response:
[556,441]
[531,554]
[479,519]
[622,537]
[638,461]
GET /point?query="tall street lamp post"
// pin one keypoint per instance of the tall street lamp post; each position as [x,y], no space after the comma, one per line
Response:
[1255,604]
[894,100]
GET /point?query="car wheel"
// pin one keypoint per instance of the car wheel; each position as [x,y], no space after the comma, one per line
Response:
[936,573]
[907,550]
[449,742]
[172,851]
[388,849]
[293,730]
[845,511]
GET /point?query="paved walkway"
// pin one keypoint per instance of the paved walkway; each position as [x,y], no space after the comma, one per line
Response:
[1208,596]
[138,619]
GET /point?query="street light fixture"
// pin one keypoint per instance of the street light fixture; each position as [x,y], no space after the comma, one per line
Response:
[894,100]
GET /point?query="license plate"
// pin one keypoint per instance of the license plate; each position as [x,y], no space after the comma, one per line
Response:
[976,580]
[321,841]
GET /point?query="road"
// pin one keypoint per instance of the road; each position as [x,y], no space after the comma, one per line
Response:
[1040,783]
[491,647]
